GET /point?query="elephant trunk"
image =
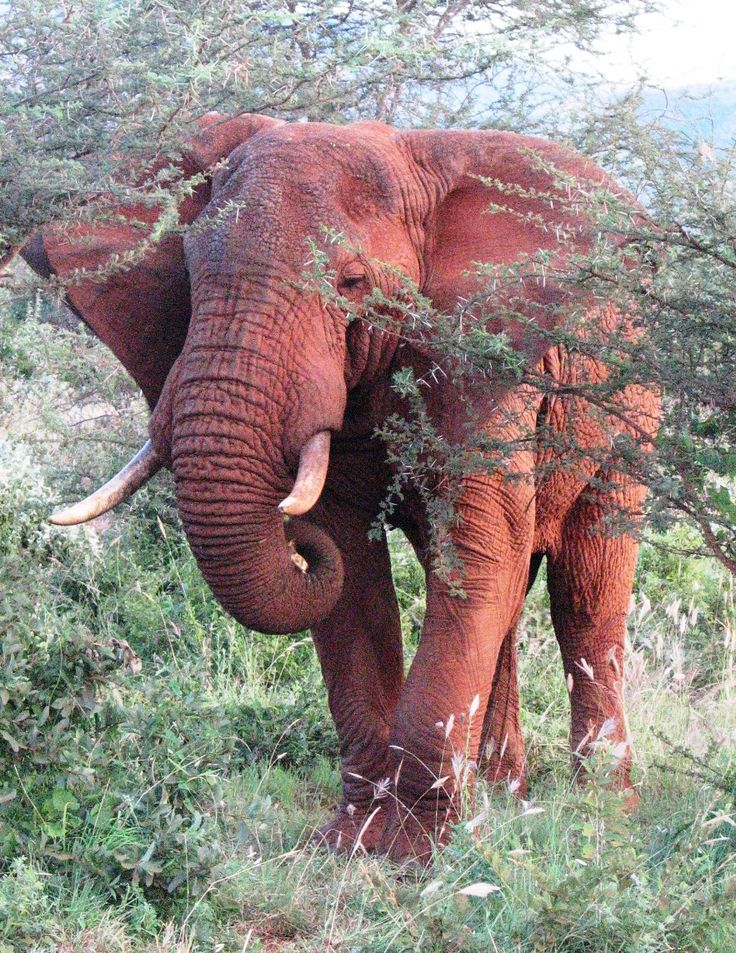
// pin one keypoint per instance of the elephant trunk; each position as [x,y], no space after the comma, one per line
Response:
[237,434]
[244,548]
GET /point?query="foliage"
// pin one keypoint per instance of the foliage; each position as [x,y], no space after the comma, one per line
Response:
[670,262]
[89,86]
[677,266]
[85,109]
[666,261]
[161,769]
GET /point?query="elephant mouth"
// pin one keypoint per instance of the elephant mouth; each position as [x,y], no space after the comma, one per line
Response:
[297,558]
[305,544]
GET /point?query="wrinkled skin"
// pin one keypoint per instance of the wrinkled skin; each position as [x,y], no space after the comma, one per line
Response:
[243,363]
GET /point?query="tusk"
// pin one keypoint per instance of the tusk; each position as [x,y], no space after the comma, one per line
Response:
[122,486]
[310,480]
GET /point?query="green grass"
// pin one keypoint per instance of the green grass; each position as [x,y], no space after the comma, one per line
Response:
[172,809]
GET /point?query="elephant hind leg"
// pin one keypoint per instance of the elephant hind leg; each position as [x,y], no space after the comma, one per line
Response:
[502,743]
[590,579]
[502,755]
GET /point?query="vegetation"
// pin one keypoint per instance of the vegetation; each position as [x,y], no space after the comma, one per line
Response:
[92,88]
[88,87]
[163,769]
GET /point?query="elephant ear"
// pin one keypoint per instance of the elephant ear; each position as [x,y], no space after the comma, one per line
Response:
[141,311]
[495,198]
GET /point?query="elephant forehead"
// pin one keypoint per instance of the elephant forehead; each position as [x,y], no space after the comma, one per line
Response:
[272,220]
[263,213]
[324,167]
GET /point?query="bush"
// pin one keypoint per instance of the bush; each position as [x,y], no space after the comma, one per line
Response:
[115,778]
[25,910]
[94,775]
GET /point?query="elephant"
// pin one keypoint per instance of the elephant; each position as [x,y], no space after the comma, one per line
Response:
[265,402]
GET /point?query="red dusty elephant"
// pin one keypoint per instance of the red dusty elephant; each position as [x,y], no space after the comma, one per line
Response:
[265,401]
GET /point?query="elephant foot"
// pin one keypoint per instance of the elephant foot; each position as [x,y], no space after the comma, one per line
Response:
[352,829]
[503,764]
[409,838]
[505,774]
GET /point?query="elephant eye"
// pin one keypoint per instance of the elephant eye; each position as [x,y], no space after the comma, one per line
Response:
[352,281]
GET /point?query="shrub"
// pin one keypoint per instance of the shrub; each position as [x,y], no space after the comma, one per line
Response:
[25,910]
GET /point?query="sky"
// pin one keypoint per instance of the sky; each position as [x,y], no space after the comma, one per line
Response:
[691,44]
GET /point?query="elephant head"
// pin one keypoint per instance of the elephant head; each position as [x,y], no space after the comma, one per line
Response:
[263,378]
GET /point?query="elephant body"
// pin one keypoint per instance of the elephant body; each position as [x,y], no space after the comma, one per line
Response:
[379,714]
[245,366]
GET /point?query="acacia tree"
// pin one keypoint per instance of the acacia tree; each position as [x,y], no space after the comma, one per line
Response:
[677,266]
[91,90]
[89,87]
[664,255]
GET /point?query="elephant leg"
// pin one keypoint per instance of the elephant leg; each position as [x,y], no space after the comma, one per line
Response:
[360,652]
[590,579]
[502,743]
[502,757]
[437,729]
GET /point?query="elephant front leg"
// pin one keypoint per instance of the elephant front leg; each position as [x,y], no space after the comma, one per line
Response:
[360,652]
[439,719]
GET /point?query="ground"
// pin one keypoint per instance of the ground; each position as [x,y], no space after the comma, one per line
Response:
[162,769]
